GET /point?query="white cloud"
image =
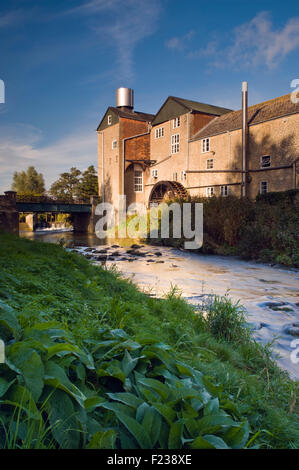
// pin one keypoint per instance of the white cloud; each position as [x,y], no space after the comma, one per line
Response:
[17,153]
[255,43]
[127,24]
[179,43]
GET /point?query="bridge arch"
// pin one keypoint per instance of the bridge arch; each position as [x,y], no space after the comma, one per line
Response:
[167,190]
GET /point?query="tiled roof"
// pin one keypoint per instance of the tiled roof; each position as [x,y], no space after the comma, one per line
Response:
[275,108]
[136,115]
[202,107]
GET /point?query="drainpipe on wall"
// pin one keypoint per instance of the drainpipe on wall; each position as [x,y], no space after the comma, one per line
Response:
[103,173]
[244,136]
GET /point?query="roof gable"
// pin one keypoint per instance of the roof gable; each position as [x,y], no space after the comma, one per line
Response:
[117,113]
[104,122]
[174,107]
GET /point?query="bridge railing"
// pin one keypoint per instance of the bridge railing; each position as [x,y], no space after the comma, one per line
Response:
[48,200]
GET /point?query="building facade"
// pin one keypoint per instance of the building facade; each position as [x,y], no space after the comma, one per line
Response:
[192,148]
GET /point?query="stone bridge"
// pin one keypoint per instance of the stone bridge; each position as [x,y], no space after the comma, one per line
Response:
[83,214]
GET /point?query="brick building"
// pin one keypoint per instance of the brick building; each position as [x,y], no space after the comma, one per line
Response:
[194,148]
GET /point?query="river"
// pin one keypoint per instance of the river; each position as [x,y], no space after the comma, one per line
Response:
[270,295]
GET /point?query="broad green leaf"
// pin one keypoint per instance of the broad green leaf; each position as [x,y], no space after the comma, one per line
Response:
[168,413]
[208,442]
[4,385]
[64,425]
[175,435]
[126,398]
[91,403]
[103,440]
[157,386]
[139,433]
[212,407]
[9,325]
[29,362]
[21,397]
[118,408]
[128,363]
[57,378]
[237,437]
[212,423]
[152,422]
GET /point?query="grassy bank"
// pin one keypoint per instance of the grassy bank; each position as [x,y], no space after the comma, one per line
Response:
[265,230]
[93,363]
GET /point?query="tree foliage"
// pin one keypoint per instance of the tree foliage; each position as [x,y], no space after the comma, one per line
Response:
[74,184]
[28,182]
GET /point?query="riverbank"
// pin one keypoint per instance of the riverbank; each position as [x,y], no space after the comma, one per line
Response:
[122,364]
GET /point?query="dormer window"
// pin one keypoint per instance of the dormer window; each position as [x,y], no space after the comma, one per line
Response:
[176,122]
[109,120]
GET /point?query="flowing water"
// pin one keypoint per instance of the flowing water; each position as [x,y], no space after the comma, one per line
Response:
[270,295]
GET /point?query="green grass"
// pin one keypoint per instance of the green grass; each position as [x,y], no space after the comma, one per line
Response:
[81,343]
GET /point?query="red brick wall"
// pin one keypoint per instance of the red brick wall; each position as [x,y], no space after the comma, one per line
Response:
[198,121]
[138,148]
[129,127]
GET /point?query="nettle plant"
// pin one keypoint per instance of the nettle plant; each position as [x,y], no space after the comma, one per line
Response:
[113,392]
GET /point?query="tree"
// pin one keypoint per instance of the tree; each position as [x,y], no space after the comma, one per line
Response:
[28,182]
[66,187]
[88,185]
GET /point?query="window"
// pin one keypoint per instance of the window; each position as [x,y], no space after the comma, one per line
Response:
[266,161]
[264,187]
[109,120]
[210,191]
[183,175]
[138,181]
[114,144]
[205,145]
[159,132]
[176,122]
[223,191]
[210,163]
[154,173]
[175,143]
[175,177]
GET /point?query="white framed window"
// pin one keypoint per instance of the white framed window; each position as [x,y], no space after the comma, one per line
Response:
[176,122]
[175,176]
[138,181]
[109,120]
[175,143]
[263,187]
[159,132]
[224,190]
[265,161]
[114,144]
[205,145]
[154,173]
[210,191]
[210,163]
[183,175]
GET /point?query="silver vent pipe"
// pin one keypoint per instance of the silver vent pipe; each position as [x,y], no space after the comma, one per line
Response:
[125,98]
[244,136]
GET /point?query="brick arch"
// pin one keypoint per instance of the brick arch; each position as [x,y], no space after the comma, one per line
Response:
[169,189]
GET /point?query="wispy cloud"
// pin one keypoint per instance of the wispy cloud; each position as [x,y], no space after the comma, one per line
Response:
[18,152]
[126,25]
[179,43]
[255,43]
[13,18]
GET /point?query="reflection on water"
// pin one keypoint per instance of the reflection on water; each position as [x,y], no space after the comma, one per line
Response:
[270,295]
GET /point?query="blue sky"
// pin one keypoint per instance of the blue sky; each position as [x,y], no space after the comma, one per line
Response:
[62,61]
